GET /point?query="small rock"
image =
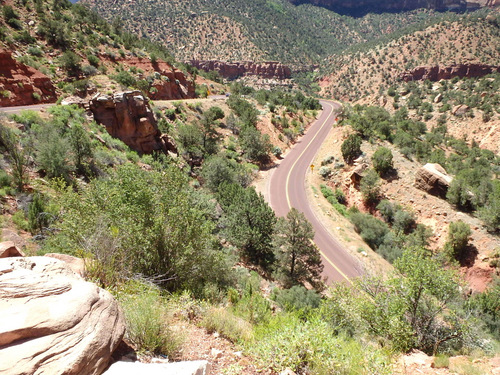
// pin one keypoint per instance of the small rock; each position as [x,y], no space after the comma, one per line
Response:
[238,354]
[9,249]
[287,371]
[216,334]
[216,353]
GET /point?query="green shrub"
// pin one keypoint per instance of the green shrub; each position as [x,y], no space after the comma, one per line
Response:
[71,63]
[458,239]
[226,323]
[371,229]
[382,160]
[441,361]
[20,221]
[351,148]
[370,187]
[147,327]
[313,347]
[297,298]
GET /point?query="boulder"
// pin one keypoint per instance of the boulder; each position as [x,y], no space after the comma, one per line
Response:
[173,368]
[460,110]
[9,249]
[77,265]
[128,117]
[54,322]
[433,179]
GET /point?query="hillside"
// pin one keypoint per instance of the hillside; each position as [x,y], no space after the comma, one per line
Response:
[368,6]
[260,30]
[367,70]
[51,50]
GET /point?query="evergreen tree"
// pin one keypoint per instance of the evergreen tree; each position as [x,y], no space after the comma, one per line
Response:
[298,259]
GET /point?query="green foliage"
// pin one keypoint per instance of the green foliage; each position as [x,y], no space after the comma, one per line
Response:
[248,223]
[225,322]
[298,258]
[16,155]
[312,346]
[382,160]
[371,229]
[38,218]
[458,239]
[486,306]
[370,187]
[218,170]
[142,222]
[297,298]
[124,78]
[147,322]
[20,221]
[351,148]
[80,146]
[255,145]
[71,63]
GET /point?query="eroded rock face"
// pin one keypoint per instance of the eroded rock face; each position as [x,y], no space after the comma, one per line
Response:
[54,322]
[437,73]
[170,83]
[21,84]
[128,117]
[433,179]
[233,70]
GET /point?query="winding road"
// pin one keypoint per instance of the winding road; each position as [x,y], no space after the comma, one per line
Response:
[287,189]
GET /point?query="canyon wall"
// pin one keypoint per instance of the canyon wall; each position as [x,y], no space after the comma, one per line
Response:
[397,5]
[233,70]
[436,73]
[23,85]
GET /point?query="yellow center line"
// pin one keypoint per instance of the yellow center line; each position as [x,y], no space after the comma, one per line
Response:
[288,195]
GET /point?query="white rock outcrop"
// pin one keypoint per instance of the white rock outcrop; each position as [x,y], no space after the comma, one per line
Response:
[54,322]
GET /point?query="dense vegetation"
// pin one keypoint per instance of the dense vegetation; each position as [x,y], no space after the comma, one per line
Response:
[252,30]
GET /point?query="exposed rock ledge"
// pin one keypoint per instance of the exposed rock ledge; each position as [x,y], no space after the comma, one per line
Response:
[128,117]
[54,322]
[233,70]
[437,73]
[23,85]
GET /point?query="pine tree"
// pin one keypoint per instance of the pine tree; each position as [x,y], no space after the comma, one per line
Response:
[298,259]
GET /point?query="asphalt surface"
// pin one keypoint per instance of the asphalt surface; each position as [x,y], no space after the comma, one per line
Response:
[287,189]
[19,109]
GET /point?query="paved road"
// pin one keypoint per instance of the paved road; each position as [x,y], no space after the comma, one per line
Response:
[287,189]
[19,109]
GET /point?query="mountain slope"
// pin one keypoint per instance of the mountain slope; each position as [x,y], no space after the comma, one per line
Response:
[370,70]
[234,30]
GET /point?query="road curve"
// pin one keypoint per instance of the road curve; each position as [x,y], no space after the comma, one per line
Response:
[287,189]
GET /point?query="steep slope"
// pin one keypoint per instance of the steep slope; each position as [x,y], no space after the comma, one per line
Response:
[58,48]
[367,71]
[365,6]
[260,30]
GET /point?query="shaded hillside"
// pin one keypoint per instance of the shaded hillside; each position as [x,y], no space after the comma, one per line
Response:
[367,71]
[260,30]
[366,6]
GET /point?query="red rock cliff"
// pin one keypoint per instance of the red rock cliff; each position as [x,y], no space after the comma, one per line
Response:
[233,70]
[436,73]
[128,117]
[20,84]
[171,83]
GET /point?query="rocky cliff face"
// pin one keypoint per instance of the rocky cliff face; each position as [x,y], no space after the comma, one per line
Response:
[398,5]
[23,85]
[128,117]
[436,73]
[233,70]
[170,83]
